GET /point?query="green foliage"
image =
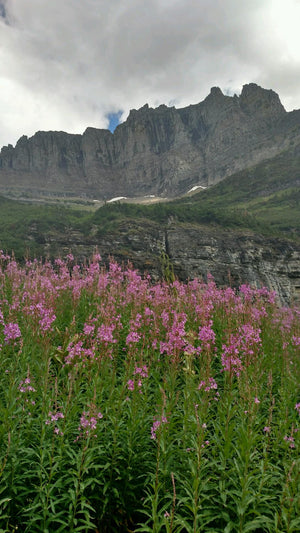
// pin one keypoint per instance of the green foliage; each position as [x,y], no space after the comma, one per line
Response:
[167,268]
[24,226]
[131,407]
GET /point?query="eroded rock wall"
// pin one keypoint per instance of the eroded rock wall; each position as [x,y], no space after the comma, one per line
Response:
[162,151]
[231,257]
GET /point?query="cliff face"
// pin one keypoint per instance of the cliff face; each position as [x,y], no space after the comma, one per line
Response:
[232,257]
[162,151]
[236,258]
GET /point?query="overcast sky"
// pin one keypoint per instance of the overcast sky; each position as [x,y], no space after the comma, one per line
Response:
[69,64]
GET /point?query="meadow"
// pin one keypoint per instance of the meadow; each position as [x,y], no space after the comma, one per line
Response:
[129,406]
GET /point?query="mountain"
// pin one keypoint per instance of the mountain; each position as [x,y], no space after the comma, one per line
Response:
[245,229]
[163,151]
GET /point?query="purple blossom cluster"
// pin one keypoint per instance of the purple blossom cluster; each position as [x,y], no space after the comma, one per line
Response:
[88,423]
[207,335]
[156,425]
[291,439]
[295,340]
[105,333]
[139,374]
[53,419]
[25,386]
[241,349]
[210,386]
[11,332]
[27,398]
[144,323]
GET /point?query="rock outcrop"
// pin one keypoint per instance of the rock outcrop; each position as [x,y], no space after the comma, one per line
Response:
[232,257]
[162,151]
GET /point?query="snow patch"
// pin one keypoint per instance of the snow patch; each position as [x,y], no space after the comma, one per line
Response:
[117,198]
[196,187]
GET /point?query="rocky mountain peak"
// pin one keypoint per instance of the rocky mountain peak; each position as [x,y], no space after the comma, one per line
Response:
[22,140]
[215,92]
[255,100]
[216,99]
[163,151]
[136,113]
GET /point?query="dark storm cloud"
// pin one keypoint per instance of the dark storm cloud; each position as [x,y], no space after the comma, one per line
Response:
[67,65]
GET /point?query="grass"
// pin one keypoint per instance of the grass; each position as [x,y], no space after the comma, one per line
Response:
[24,226]
[127,406]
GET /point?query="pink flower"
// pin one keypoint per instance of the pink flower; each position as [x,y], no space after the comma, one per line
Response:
[156,425]
[208,385]
[267,429]
[88,329]
[47,320]
[105,333]
[256,400]
[142,371]
[56,416]
[133,336]
[207,335]
[88,423]
[296,340]
[53,418]
[11,332]
[25,386]
[130,384]
[206,443]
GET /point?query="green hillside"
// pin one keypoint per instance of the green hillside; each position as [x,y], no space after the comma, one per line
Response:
[269,193]
[264,199]
[23,226]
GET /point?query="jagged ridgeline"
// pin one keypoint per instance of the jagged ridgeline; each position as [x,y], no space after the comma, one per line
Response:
[163,151]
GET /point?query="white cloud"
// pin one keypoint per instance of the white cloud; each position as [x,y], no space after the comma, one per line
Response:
[67,65]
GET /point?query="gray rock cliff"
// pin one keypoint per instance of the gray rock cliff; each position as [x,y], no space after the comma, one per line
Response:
[162,151]
[232,257]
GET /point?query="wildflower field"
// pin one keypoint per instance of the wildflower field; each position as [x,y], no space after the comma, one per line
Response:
[130,406]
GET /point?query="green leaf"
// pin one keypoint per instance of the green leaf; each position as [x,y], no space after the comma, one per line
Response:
[230,527]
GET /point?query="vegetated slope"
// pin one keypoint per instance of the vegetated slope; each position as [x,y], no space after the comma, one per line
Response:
[264,199]
[265,196]
[25,228]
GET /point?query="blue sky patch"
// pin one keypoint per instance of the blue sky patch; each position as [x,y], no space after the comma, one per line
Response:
[114,120]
